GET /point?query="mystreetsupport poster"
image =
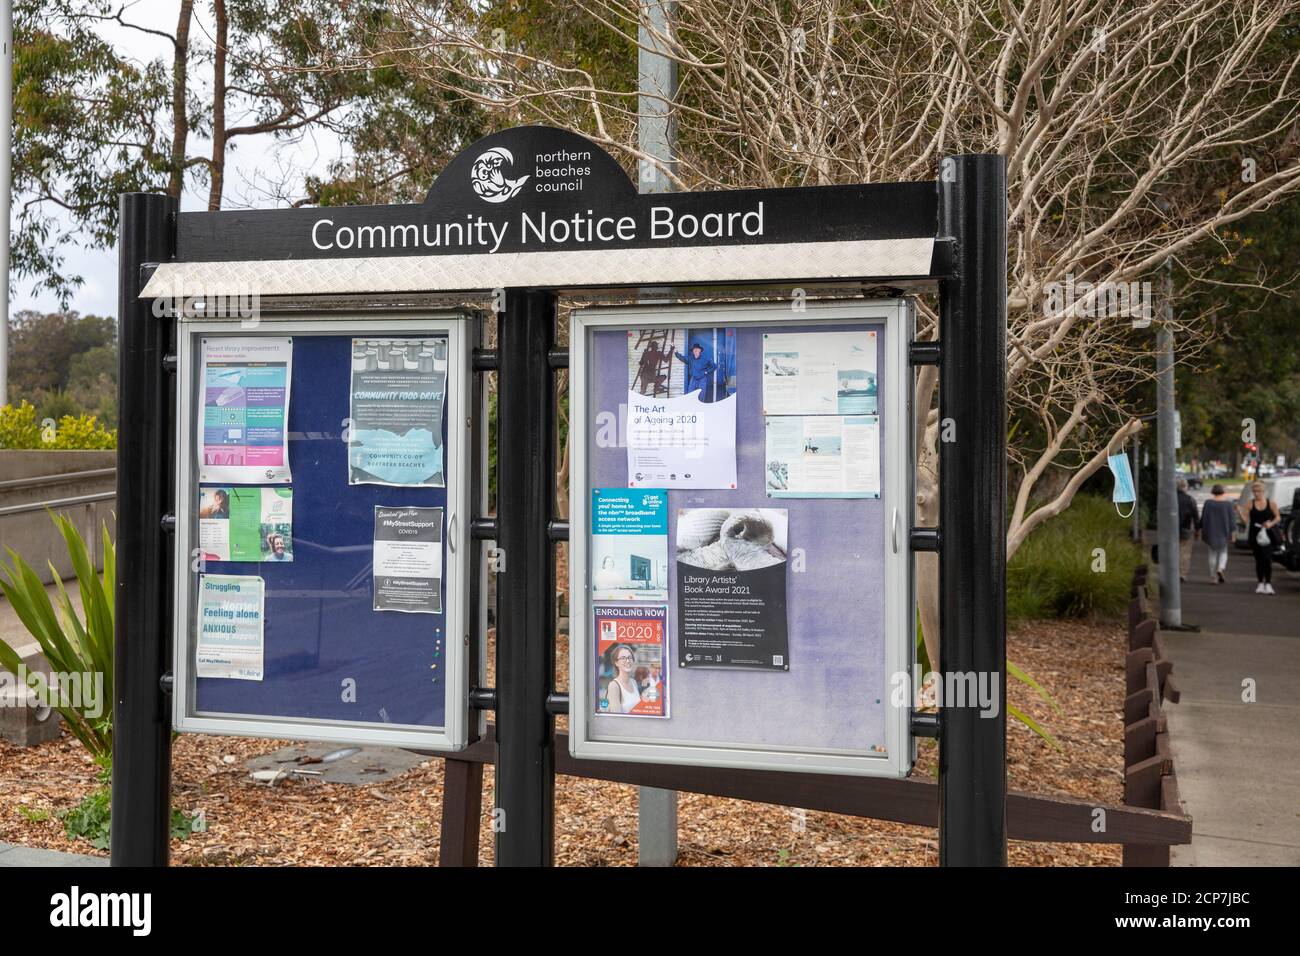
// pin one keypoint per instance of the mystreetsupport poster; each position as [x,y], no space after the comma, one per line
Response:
[823,456]
[819,373]
[629,545]
[395,427]
[408,560]
[245,410]
[631,643]
[681,408]
[231,626]
[731,607]
[246,524]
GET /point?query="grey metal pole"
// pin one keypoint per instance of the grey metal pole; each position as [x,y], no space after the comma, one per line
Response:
[525,769]
[1137,489]
[1171,600]
[972,512]
[657,137]
[6,138]
[142,722]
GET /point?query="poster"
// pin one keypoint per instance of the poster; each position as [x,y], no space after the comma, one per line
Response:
[681,408]
[408,560]
[731,597]
[231,626]
[395,429]
[823,456]
[631,680]
[629,545]
[820,373]
[246,524]
[245,410]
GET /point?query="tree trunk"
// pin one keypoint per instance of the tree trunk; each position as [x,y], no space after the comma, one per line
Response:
[927,562]
[180,122]
[218,107]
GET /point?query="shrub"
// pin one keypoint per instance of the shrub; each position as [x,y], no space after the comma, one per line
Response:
[21,428]
[71,645]
[1053,573]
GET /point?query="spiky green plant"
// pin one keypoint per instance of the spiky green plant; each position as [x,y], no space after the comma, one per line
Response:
[72,643]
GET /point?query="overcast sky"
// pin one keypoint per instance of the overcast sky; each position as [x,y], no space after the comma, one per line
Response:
[254,161]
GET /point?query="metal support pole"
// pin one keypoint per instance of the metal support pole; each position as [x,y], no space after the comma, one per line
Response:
[972,513]
[525,669]
[6,176]
[143,627]
[1137,489]
[1171,598]
[657,136]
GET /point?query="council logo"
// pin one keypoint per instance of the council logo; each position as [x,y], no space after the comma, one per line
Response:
[488,176]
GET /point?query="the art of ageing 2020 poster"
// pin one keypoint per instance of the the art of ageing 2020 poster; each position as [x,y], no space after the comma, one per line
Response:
[681,408]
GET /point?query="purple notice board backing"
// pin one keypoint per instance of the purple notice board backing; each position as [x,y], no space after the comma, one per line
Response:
[833,697]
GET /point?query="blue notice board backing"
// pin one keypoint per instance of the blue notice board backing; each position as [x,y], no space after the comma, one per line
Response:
[327,654]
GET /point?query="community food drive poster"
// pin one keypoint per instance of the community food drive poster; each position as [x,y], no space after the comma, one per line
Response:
[397,393]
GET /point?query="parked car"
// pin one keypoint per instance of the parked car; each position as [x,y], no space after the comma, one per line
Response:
[1280,488]
[1192,478]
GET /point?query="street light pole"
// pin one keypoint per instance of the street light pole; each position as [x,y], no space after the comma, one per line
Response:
[656,137]
[1171,603]
[6,143]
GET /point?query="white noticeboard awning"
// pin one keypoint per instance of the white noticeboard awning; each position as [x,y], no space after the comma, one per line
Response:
[766,262]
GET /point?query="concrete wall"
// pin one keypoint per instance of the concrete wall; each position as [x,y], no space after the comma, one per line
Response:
[32,480]
[33,463]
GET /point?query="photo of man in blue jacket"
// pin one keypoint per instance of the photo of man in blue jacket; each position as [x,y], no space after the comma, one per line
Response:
[698,371]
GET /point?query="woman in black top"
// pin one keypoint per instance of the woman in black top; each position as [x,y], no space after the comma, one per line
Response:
[1263,514]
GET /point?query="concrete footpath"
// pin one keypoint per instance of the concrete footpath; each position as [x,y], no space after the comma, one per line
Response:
[13,855]
[1238,762]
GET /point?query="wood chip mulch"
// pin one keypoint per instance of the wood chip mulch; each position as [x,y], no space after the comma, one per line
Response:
[396,822]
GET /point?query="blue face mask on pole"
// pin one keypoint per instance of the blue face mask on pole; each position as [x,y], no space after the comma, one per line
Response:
[1123,493]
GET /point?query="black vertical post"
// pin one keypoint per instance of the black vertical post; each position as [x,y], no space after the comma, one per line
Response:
[972,510]
[141,711]
[525,770]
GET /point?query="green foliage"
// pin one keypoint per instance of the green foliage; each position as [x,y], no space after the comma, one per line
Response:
[56,405]
[1250,356]
[21,428]
[84,132]
[73,644]
[32,814]
[1052,574]
[89,820]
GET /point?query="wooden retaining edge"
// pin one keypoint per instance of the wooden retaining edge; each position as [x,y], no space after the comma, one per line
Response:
[1149,777]
[911,800]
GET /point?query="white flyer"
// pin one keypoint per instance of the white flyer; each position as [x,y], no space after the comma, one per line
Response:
[231,626]
[819,373]
[243,433]
[823,456]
